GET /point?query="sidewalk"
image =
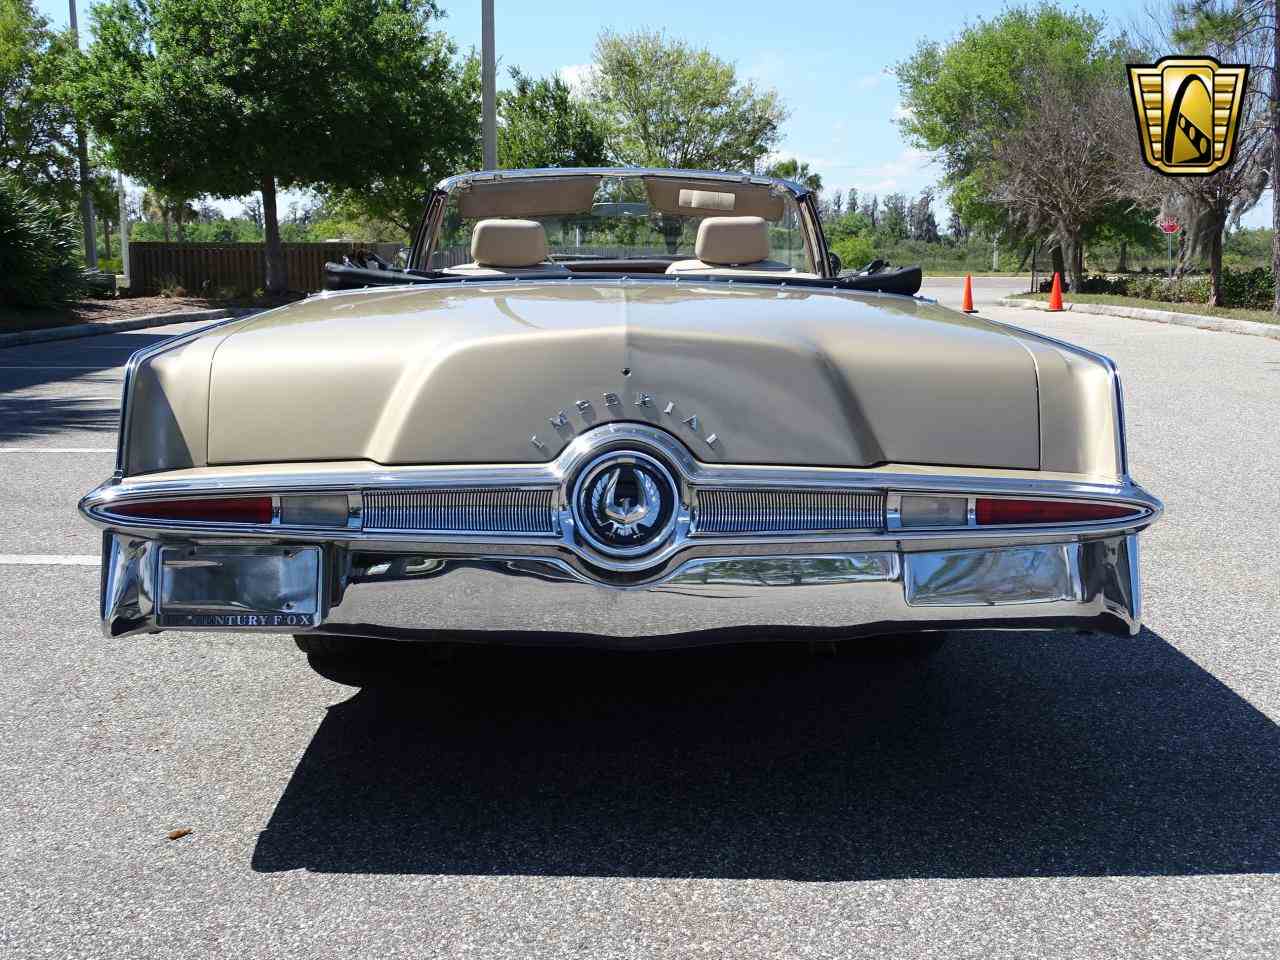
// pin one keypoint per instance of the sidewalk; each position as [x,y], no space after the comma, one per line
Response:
[1220,324]
[102,327]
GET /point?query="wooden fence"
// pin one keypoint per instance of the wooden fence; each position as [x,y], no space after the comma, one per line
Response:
[237,268]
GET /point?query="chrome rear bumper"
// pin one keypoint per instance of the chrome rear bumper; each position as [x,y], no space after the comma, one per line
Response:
[1085,583]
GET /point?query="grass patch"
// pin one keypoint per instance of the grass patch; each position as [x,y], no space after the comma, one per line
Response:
[1197,309]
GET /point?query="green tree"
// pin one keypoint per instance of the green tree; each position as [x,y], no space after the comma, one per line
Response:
[963,98]
[227,97]
[1252,24]
[1124,225]
[37,140]
[851,223]
[797,170]
[979,103]
[855,252]
[894,223]
[669,104]
[394,197]
[106,205]
[169,210]
[543,125]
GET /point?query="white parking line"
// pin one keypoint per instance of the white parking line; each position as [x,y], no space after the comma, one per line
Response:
[47,559]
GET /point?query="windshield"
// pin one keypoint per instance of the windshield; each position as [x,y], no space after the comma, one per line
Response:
[620,218]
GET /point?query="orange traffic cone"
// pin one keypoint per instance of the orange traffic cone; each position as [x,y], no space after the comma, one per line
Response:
[967,303]
[1055,295]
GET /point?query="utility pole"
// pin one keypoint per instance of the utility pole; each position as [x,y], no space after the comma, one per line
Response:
[82,154]
[124,226]
[488,78]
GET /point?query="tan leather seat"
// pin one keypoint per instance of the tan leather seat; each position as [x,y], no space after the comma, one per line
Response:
[733,246]
[502,248]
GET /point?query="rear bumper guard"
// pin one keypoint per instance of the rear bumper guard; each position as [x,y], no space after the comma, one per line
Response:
[150,585]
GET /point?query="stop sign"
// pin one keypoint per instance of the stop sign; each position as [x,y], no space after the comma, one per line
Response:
[1169,225]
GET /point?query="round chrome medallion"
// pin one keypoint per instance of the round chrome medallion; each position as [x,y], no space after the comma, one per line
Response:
[625,503]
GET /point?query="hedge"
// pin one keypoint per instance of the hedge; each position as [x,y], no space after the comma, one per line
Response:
[1254,288]
[39,250]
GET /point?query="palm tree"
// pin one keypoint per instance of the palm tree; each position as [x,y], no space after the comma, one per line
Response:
[166,209]
[797,170]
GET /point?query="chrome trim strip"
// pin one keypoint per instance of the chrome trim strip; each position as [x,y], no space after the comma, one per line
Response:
[558,474]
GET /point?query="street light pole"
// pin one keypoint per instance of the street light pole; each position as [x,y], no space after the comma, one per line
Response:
[82,155]
[488,107]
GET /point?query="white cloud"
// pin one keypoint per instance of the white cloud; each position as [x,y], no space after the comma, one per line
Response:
[867,81]
[767,69]
[577,76]
[909,172]
[901,112]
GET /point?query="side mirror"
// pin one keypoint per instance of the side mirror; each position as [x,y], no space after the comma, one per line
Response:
[833,260]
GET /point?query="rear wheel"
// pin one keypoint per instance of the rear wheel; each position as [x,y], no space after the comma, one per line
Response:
[329,645]
[354,661]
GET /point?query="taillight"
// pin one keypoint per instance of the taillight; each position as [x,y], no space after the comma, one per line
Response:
[208,509]
[993,511]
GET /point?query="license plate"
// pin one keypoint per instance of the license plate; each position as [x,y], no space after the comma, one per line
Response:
[239,588]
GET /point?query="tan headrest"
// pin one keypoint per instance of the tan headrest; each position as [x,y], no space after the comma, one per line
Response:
[508,243]
[732,240]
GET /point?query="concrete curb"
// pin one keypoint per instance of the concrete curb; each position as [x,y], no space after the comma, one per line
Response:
[75,331]
[1247,328]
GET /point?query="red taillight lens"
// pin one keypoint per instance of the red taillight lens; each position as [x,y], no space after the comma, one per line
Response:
[207,510]
[991,511]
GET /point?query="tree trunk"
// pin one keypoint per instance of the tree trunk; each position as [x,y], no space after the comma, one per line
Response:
[277,278]
[106,236]
[1275,156]
[1073,251]
[1059,265]
[1215,263]
[1122,266]
[164,219]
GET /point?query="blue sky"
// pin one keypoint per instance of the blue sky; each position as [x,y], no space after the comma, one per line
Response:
[827,59]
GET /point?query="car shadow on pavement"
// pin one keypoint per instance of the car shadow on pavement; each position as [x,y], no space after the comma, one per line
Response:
[1003,756]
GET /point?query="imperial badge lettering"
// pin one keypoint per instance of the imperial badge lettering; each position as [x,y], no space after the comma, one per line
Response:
[1187,110]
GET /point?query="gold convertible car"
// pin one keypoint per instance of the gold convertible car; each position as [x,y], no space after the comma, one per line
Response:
[624,407]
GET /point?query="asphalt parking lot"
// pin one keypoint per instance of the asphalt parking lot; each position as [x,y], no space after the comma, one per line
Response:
[1016,796]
